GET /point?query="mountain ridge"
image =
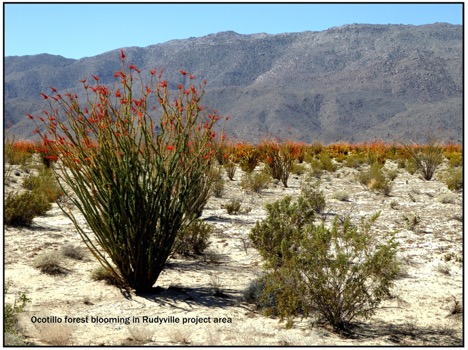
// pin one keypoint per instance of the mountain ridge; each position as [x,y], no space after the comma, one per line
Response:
[351,83]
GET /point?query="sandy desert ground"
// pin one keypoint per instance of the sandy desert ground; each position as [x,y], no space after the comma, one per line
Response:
[205,294]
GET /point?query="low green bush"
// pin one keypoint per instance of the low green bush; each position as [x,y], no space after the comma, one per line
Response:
[21,208]
[11,332]
[230,168]
[45,183]
[453,178]
[194,239]
[375,179]
[355,160]
[255,182]
[233,207]
[337,273]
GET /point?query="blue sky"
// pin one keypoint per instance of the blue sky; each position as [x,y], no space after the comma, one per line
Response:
[83,30]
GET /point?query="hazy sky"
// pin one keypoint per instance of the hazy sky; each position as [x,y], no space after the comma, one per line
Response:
[82,30]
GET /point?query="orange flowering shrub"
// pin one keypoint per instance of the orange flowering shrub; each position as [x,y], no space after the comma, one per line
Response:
[18,151]
[279,158]
[137,180]
[248,156]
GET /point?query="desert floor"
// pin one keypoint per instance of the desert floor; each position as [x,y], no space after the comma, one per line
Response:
[210,288]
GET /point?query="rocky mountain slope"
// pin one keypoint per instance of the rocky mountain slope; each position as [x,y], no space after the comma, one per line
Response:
[352,83]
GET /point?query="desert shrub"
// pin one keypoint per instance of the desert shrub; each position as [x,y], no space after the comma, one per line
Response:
[376,156]
[137,161]
[375,179]
[230,168]
[298,169]
[217,182]
[248,156]
[455,159]
[274,236]
[427,158]
[50,263]
[323,162]
[21,208]
[233,207]
[446,198]
[327,163]
[100,273]
[453,178]
[337,273]
[72,252]
[279,158]
[44,182]
[411,220]
[312,198]
[314,149]
[11,331]
[401,163]
[255,182]
[391,174]
[355,160]
[17,152]
[411,166]
[194,239]
[256,294]
[341,195]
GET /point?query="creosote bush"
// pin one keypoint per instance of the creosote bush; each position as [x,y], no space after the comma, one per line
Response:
[255,294]
[194,239]
[21,208]
[336,272]
[453,178]
[44,183]
[375,179]
[233,207]
[255,182]
[136,160]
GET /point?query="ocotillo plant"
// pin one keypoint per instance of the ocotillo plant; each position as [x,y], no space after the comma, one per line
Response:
[279,158]
[135,162]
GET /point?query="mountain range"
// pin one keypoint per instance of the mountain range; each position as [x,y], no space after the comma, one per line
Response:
[353,83]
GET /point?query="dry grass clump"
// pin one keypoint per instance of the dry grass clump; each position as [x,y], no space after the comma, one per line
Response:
[446,198]
[140,334]
[341,195]
[72,252]
[216,283]
[456,307]
[412,220]
[180,336]
[56,334]
[50,263]
[102,274]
